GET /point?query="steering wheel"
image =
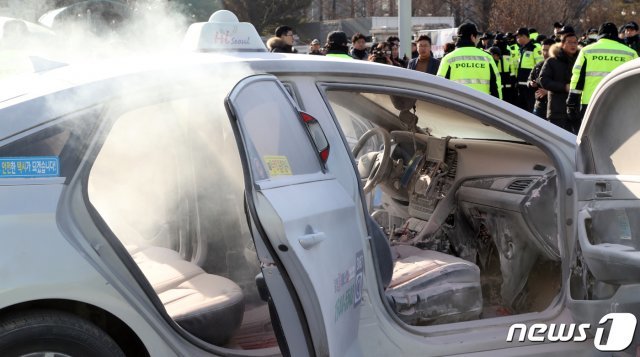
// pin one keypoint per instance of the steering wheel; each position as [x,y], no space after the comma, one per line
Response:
[373,165]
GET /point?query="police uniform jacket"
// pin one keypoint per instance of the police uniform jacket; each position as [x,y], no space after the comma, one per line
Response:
[505,66]
[514,50]
[472,67]
[530,55]
[594,62]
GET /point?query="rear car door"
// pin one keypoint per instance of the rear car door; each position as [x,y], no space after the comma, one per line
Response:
[304,223]
[605,276]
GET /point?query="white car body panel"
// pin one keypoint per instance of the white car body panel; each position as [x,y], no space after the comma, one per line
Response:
[49,266]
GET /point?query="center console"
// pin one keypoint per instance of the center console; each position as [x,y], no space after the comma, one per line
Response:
[433,179]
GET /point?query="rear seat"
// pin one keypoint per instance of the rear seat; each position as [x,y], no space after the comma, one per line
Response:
[209,306]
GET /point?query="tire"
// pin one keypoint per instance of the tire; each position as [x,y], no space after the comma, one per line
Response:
[37,332]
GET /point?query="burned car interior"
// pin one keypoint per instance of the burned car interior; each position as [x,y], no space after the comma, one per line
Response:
[467,209]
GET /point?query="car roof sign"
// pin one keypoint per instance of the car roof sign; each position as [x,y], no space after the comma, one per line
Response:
[223,32]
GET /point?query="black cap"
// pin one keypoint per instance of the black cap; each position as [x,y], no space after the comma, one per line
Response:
[500,37]
[467,29]
[608,29]
[631,25]
[557,25]
[494,50]
[522,31]
[566,29]
[337,38]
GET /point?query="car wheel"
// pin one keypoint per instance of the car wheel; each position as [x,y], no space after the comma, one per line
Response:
[53,333]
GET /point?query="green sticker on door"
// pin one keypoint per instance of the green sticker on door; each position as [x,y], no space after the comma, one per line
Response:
[622,220]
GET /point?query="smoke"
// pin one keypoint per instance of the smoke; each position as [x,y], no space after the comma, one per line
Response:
[91,32]
[168,171]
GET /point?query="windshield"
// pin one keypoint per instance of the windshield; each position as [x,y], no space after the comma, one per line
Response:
[436,119]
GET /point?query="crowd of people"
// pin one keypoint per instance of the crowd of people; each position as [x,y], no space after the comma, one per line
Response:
[551,76]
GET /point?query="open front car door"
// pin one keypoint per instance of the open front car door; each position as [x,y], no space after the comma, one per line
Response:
[605,276]
[304,223]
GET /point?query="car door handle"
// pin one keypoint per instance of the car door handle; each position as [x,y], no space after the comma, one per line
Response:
[309,241]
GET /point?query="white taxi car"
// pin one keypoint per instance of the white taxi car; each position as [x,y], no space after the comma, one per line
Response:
[230,201]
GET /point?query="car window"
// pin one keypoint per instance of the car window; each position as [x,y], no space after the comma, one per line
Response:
[53,144]
[353,126]
[278,143]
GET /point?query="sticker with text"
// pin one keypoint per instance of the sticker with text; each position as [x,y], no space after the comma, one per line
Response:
[353,280]
[277,165]
[21,167]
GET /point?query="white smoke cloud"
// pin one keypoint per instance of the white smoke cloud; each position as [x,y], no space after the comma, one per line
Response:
[168,171]
[154,28]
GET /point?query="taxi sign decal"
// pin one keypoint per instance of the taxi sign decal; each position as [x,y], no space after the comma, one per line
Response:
[277,165]
[40,166]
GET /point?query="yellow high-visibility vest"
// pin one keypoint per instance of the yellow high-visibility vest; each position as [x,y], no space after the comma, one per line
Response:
[594,62]
[472,67]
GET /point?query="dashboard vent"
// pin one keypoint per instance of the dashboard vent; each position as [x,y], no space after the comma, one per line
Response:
[520,185]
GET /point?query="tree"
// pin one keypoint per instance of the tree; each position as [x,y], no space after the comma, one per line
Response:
[429,8]
[509,15]
[266,15]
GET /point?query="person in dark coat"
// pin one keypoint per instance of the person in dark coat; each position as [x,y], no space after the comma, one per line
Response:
[282,42]
[555,77]
[631,37]
[540,94]
[359,47]
[425,61]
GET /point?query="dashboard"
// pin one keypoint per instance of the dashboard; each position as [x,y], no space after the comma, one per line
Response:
[483,181]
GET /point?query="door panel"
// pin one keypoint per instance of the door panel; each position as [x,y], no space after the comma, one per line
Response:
[609,227]
[303,214]
[605,276]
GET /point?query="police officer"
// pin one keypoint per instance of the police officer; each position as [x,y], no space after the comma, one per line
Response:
[337,45]
[533,34]
[471,66]
[505,66]
[593,63]
[530,53]
[514,51]
[631,37]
